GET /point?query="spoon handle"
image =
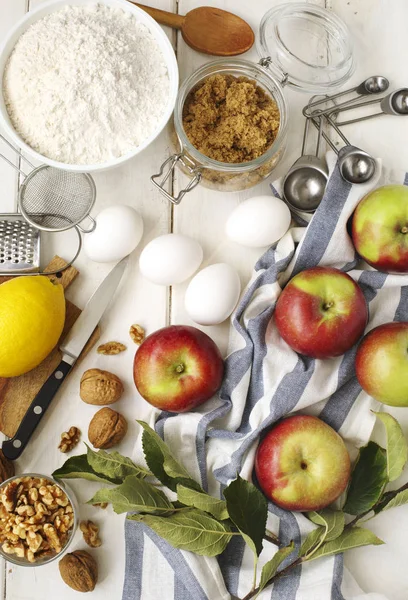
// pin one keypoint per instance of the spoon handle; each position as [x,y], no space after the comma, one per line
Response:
[163,17]
[337,109]
[325,136]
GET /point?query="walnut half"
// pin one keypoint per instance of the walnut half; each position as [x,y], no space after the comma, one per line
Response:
[90,531]
[111,348]
[137,333]
[69,439]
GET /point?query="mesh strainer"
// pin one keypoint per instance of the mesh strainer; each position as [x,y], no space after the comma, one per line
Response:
[52,199]
[55,200]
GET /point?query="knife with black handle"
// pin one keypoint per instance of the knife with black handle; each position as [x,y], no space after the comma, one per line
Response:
[71,348]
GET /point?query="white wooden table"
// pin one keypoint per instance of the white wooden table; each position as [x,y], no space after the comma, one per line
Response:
[379,31]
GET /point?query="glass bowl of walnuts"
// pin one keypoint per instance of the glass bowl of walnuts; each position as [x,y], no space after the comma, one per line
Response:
[38,519]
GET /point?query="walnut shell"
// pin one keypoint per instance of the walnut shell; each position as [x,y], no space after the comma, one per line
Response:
[107,428]
[6,467]
[100,387]
[79,571]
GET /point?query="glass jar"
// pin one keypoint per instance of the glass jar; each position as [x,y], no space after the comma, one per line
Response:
[23,561]
[302,46]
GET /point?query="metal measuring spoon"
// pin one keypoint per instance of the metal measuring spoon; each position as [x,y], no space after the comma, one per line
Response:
[393,104]
[376,84]
[356,166]
[305,183]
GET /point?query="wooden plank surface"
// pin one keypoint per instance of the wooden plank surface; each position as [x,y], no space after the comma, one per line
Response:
[379,33]
[203,213]
[136,302]
[10,12]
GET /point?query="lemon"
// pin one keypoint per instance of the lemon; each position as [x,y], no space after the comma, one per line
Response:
[32,315]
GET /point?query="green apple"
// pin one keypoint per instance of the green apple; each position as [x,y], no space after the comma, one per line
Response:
[302,464]
[380,228]
[382,364]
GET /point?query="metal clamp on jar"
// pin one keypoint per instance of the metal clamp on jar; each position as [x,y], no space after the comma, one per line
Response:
[302,46]
[187,165]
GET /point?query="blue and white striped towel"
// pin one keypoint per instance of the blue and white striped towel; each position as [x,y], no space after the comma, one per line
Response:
[266,380]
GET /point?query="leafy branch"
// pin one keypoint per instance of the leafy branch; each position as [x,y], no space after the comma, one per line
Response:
[388,500]
[353,538]
[205,525]
[281,573]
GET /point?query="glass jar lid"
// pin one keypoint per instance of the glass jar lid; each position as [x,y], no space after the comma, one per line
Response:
[307,47]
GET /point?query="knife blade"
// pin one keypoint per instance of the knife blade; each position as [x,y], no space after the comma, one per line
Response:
[83,327]
[71,348]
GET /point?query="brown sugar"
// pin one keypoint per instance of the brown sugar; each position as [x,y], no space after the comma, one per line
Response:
[230,119]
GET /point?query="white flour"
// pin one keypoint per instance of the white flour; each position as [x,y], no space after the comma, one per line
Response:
[86,84]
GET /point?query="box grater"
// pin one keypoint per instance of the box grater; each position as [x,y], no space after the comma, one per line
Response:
[19,246]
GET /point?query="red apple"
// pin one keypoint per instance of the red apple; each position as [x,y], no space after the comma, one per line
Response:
[382,364]
[321,312]
[302,464]
[380,228]
[178,368]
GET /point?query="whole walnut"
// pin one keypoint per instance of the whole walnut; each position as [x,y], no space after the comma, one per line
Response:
[6,467]
[79,570]
[107,428]
[100,387]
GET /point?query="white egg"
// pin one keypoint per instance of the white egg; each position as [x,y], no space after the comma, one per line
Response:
[118,231]
[170,259]
[259,221]
[212,294]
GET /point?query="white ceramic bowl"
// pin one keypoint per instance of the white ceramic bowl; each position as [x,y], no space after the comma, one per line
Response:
[54,5]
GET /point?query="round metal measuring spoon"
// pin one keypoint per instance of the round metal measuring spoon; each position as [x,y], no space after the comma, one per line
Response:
[394,104]
[305,182]
[398,102]
[356,166]
[376,84]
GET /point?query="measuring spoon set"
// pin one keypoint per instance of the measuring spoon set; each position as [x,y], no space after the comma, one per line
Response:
[305,183]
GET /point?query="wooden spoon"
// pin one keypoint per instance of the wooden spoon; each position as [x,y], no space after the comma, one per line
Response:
[207,29]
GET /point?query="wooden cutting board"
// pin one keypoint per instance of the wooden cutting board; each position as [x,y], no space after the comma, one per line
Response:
[17,393]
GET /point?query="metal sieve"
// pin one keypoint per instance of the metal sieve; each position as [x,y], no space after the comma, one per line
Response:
[52,199]
[55,200]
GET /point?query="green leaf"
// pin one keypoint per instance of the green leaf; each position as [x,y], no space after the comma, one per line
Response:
[397,447]
[333,520]
[134,494]
[248,509]
[368,479]
[77,467]
[311,540]
[202,501]
[113,465]
[161,462]
[191,530]
[350,538]
[270,568]
[398,500]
